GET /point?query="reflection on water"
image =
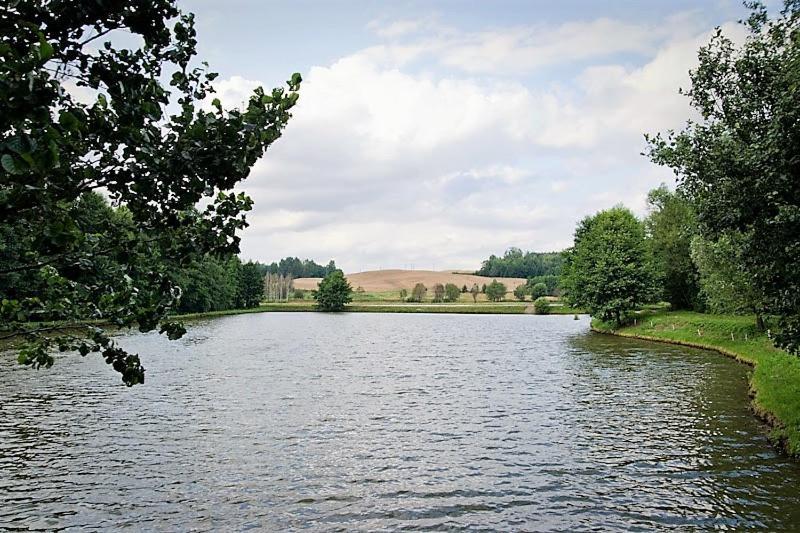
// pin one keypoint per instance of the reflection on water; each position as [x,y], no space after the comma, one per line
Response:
[369,421]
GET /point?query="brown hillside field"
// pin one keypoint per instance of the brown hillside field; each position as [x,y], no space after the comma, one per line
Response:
[389,280]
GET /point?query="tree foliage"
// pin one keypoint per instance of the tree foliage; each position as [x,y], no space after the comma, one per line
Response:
[740,163]
[334,292]
[496,291]
[418,293]
[306,268]
[606,271]
[541,306]
[520,291]
[451,292]
[538,290]
[144,139]
[518,264]
[551,283]
[438,293]
[670,227]
[250,286]
[726,286]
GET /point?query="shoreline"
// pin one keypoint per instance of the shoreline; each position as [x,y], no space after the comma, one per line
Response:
[502,308]
[774,395]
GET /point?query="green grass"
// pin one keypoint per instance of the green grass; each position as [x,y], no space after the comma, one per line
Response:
[775,380]
[389,306]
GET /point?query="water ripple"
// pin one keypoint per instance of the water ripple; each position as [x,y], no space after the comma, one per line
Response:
[390,422]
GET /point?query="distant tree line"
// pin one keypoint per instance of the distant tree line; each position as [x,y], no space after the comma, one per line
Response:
[518,264]
[296,268]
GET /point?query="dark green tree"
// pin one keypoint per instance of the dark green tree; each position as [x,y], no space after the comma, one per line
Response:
[539,290]
[334,292]
[250,287]
[518,264]
[726,285]
[606,271]
[145,140]
[541,306]
[520,292]
[670,226]
[496,291]
[740,162]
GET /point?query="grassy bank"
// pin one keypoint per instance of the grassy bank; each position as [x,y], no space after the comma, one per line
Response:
[775,380]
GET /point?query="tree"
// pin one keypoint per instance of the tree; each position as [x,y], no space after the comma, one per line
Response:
[550,283]
[151,148]
[334,292]
[451,293]
[483,289]
[438,293]
[250,290]
[495,291]
[464,289]
[518,264]
[474,291]
[403,294]
[726,285]
[670,226]
[606,271]
[418,293]
[541,306]
[539,290]
[739,162]
[520,291]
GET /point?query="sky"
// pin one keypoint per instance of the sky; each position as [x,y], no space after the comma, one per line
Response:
[433,134]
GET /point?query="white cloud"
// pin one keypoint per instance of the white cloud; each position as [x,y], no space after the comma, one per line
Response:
[388,162]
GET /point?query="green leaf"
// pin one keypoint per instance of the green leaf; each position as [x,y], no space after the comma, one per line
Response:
[9,165]
[68,121]
[45,48]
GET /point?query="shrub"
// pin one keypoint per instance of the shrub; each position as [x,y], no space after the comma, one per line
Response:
[451,292]
[541,306]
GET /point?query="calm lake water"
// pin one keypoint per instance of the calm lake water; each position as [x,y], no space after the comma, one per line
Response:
[386,422]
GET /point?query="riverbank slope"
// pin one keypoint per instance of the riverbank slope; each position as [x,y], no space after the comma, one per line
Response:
[774,382]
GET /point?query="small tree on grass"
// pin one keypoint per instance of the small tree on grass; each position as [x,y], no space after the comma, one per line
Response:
[538,290]
[438,293]
[403,294]
[495,291]
[475,291]
[520,292]
[464,289]
[418,292]
[451,292]
[541,306]
[334,292]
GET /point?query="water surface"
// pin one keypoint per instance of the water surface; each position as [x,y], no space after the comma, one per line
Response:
[390,421]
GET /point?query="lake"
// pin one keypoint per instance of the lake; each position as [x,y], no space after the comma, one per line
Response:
[279,421]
